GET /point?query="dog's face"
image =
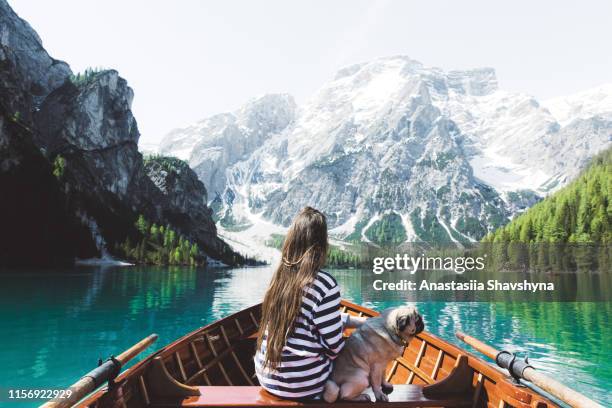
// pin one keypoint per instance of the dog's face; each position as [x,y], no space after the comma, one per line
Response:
[408,322]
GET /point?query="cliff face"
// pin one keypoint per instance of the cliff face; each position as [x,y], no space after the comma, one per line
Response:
[20,47]
[35,220]
[186,197]
[69,159]
[89,125]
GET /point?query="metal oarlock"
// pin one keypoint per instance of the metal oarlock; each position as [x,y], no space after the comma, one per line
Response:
[513,364]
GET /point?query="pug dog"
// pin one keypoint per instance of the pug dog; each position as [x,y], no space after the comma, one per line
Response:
[367,352]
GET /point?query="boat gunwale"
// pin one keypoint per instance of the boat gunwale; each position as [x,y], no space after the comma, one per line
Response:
[478,364]
[141,365]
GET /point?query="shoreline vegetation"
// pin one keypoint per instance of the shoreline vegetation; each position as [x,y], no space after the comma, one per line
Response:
[568,231]
[162,245]
[159,245]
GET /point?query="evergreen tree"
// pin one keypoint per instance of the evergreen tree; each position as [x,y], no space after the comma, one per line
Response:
[159,245]
[142,225]
[154,233]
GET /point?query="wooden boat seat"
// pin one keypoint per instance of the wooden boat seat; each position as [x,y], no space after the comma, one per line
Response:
[452,391]
[251,396]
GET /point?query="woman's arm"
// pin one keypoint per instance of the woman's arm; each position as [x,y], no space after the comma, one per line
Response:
[327,319]
[352,322]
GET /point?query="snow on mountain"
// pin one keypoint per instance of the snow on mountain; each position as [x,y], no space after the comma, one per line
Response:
[582,105]
[394,150]
[515,143]
[213,144]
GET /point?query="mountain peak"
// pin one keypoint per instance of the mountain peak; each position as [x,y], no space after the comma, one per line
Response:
[22,47]
[476,82]
[274,111]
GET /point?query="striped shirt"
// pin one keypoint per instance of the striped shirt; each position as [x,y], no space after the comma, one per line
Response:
[306,359]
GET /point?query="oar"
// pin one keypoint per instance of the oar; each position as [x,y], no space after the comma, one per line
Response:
[98,376]
[521,369]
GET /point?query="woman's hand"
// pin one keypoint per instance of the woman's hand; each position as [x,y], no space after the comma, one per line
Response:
[354,322]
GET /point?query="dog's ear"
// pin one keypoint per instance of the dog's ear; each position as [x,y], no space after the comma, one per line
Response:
[402,322]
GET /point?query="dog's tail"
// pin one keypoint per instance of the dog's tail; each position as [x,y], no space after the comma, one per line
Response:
[331,392]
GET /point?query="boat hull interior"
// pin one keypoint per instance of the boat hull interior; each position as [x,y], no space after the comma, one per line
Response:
[213,367]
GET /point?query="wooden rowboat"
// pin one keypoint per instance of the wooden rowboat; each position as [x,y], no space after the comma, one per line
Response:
[213,367]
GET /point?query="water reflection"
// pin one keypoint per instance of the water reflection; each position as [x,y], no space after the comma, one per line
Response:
[242,288]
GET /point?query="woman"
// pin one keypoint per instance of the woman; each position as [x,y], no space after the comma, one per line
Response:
[301,320]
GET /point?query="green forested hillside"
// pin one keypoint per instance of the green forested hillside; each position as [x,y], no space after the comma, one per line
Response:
[160,245]
[568,230]
[580,212]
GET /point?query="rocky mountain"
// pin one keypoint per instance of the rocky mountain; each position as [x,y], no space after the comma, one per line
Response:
[214,144]
[75,139]
[394,147]
[519,143]
[186,197]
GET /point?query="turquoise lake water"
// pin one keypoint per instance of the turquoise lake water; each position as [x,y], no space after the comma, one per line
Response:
[56,324]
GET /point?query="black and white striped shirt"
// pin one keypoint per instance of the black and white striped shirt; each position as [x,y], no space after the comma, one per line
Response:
[306,359]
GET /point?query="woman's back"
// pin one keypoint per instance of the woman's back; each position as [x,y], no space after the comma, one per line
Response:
[316,339]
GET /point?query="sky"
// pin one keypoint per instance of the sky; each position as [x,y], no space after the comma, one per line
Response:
[189,59]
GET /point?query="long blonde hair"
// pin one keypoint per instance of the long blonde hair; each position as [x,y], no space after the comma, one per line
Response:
[303,254]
